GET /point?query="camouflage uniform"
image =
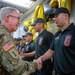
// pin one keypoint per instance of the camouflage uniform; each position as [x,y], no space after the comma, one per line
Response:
[10,62]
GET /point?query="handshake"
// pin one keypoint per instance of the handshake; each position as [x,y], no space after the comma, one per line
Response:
[39,62]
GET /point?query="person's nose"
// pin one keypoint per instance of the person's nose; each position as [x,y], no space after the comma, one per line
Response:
[54,19]
[19,22]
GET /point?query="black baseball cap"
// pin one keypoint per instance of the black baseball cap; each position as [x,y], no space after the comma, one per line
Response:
[38,20]
[29,33]
[23,36]
[58,11]
[19,38]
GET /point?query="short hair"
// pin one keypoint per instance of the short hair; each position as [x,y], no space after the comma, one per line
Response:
[6,11]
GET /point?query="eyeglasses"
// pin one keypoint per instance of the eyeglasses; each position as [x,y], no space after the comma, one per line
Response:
[14,16]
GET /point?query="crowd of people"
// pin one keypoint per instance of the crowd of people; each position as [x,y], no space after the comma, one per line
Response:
[23,56]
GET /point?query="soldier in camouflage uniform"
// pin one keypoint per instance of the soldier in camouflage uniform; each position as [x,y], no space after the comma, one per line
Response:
[10,62]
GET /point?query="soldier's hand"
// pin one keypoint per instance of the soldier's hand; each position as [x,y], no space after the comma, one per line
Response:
[39,64]
[22,55]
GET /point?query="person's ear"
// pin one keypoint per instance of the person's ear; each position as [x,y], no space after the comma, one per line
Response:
[66,15]
[7,18]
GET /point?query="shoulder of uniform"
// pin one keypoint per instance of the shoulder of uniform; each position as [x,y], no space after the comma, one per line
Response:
[1,32]
[32,42]
[2,29]
[57,32]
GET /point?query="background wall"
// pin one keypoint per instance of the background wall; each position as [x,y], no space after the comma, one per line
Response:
[72,18]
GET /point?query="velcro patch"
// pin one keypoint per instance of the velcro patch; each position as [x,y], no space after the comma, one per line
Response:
[67,40]
[40,41]
[8,46]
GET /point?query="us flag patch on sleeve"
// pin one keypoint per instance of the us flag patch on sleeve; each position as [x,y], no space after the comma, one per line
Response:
[8,46]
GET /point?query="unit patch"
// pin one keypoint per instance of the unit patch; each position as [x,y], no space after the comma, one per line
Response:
[40,41]
[27,48]
[67,40]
